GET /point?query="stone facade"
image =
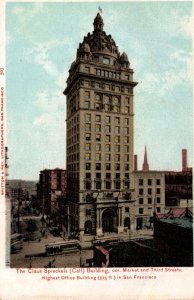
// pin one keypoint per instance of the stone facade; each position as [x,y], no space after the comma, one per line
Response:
[100,140]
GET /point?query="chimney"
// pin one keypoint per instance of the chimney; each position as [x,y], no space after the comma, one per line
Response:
[135,162]
[184,160]
[145,166]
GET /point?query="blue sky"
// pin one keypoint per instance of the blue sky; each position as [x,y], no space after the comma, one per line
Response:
[41,43]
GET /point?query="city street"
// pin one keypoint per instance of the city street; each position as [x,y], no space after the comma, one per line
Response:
[18,260]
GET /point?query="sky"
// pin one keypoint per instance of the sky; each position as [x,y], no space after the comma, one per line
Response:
[41,43]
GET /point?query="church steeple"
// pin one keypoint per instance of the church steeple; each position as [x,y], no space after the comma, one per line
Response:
[98,23]
[145,166]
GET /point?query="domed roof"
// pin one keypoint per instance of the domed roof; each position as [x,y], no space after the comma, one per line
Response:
[124,58]
[85,47]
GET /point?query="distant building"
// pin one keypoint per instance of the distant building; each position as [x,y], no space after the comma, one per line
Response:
[178,185]
[52,185]
[149,195]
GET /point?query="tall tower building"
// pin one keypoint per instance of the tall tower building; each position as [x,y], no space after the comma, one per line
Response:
[100,127]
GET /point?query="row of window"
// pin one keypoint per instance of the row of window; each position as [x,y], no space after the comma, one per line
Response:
[108,185]
[107,147]
[149,200]
[108,128]
[106,107]
[141,210]
[107,138]
[108,157]
[107,119]
[149,191]
[107,167]
[149,181]
[107,176]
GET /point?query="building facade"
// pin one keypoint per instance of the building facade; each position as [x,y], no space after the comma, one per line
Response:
[99,94]
[51,187]
[150,197]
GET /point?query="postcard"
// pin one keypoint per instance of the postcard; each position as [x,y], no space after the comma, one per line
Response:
[96,150]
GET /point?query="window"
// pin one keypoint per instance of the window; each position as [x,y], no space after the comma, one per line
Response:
[126,121]
[87,69]
[127,110]
[98,127]
[126,167]
[108,185]
[107,147]
[126,209]
[98,166]
[149,191]
[98,175]
[158,209]
[106,60]
[126,139]
[107,128]
[149,182]
[88,146]
[126,157]
[158,191]
[88,127]
[107,86]
[98,185]
[96,58]
[86,104]
[126,77]
[87,117]
[97,106]
[127,101]
[87,83]
[140,191]
[88,156]
[98,156]
[88,166]
[108,167]
[117,185]
[88,175]
[108,175]
[117,168]
[117,129]
[108,138]
[98,137]
[107,107]
[140,200]
[116,101]
[117,148]
[149,200]
[158,199]
[116,108]
[117,89]
[127,175]
[98,72]
[140,210]
[97,97]
[87,95]
[126,148]
[98,147]
[117,157]
[88,136]
[108,157]
[117,139]
[127,185]
[97,85]
[107,119]
[126,130]
[88,185]
[98,118]
[117,120]
[158,181]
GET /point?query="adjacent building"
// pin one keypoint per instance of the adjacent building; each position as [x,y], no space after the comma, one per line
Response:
[51,187]
[100,95]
